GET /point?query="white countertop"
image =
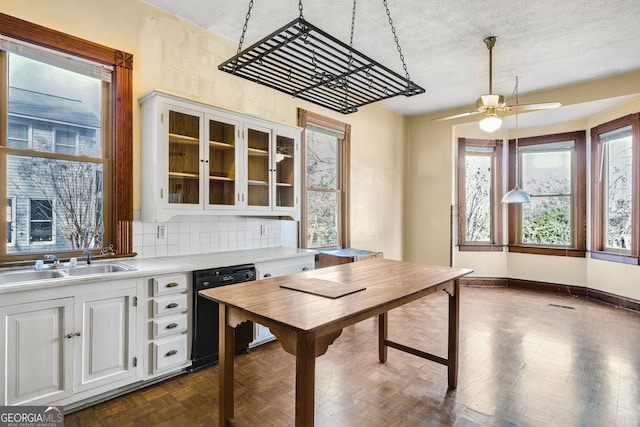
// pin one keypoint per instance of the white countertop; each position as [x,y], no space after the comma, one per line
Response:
[166,265]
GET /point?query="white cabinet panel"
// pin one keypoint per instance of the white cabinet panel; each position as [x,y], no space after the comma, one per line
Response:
[37,359]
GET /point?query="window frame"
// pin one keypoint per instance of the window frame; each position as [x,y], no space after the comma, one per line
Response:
[118,213]
[597,248]
[307,117]
[579,192]
[496,243]
[13,221]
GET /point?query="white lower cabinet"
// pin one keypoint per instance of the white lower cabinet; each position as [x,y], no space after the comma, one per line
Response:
[264,270]
[167,324]
[61,350]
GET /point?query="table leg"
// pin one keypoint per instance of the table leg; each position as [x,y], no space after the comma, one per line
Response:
[454,323]
[305,379]
[225,371]
[382,336]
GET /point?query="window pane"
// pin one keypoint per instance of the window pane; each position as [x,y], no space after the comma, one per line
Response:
[55,99]
[65,142]
[545,173]
[71,190]
[322,158]
[478,198]
[547,221]
[617,189]
[322,216]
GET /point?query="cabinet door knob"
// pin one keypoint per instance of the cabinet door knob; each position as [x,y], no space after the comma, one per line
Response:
[69,336]
[171,353]
[172,305]
[172,284]
[172,325]
[305,268]
[267,275]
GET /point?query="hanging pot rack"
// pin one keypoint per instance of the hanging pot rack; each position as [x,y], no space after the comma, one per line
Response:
[305,62]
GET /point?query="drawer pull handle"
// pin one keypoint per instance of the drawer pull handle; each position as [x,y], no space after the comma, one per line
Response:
[172,284]
[172,305]
[171,353]
[172,325]
[267,275]
[75,334]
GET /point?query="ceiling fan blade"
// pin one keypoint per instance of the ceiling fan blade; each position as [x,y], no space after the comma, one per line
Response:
[456,116]
[541,106]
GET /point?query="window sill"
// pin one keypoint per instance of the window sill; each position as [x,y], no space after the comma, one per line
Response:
[613,257]
[577,253]
[480,248]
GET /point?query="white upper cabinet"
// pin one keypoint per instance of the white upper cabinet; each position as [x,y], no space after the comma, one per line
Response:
[201,159]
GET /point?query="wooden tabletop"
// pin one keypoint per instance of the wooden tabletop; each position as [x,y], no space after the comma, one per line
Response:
[388,284]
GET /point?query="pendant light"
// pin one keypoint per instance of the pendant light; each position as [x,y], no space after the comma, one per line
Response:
[516,195]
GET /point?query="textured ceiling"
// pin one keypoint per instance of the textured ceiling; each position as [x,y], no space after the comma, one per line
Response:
[546,43]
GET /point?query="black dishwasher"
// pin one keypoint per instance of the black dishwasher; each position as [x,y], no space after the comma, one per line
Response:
[204,348]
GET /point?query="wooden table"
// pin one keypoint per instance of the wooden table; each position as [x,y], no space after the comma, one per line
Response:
[307,324]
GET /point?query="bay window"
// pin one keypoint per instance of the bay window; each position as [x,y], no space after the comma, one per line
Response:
[615,184]
[552,170]
[479,183]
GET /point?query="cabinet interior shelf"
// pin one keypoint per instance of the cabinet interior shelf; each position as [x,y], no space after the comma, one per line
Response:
[184,175]
[220,178]
[221,145]
[257,152]
[284,184]
[254,182]
[183,139]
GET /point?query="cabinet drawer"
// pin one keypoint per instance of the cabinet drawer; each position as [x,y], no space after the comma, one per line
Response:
[169,352]
[279,268]
[169,284]
[169,304]
[166,326]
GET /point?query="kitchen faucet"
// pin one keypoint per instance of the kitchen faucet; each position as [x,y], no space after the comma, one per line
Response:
[53,258]
[88,254]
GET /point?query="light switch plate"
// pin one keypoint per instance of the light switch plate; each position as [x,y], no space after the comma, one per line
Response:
[162,232]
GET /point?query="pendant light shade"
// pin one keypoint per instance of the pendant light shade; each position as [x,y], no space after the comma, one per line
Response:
[491,123]
[516,195]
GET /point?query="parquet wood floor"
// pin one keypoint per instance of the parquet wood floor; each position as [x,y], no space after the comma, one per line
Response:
[526,359]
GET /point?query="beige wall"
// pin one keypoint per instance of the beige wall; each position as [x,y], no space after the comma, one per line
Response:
[175,56]
[428,211]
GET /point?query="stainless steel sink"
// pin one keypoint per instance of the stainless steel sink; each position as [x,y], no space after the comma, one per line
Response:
[98,269]
[31,275]
[27,276]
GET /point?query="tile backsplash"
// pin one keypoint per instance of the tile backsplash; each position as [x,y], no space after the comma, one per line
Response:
[189,235]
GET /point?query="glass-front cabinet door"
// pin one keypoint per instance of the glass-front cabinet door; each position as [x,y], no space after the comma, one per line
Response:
[258,160]
[222,155]
[184,158]
[285,173]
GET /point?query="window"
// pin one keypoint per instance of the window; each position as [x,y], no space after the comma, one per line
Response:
[615,183]
[552,170]
[65,142]
[325,220]
[11,218]
[41,220]
[78,141]
[479,181]
[18,135]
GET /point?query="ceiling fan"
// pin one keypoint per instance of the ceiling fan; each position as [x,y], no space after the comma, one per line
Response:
[492,104]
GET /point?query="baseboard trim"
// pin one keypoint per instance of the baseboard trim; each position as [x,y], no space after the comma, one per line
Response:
[580,291]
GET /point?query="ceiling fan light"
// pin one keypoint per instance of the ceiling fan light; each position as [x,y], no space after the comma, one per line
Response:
[491,123]
[516,196]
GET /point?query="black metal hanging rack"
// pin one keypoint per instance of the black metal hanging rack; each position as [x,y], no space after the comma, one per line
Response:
[305,62]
